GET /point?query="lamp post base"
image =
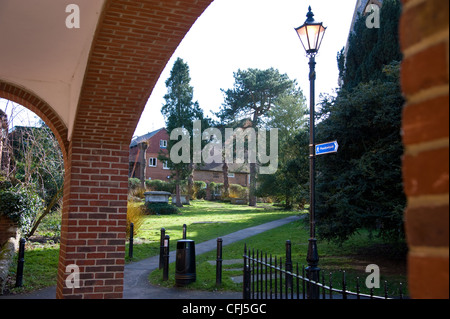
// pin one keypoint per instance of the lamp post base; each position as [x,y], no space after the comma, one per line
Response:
[313,271]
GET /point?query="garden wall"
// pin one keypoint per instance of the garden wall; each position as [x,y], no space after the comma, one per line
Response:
[8,245]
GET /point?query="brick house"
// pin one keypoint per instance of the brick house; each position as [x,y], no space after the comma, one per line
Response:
[144,152]
[144,162]
[237,174]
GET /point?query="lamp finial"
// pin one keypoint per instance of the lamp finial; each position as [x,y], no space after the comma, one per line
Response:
[310,15]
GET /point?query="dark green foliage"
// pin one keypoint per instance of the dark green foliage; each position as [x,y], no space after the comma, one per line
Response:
[134,183]
[180,112]
[36,177]
[161,209]
[160,186]
[21,205]
[370,49]
[290,184]
[254,94]
[199,190]
[361,185]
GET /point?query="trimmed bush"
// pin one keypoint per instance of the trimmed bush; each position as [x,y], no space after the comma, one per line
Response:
[160,186]
[199,190]
[238,191]
[134,183]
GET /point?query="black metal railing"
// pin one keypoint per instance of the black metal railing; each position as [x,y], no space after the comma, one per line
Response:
[265,278]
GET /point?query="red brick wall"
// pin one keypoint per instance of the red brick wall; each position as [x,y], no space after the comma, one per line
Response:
[424,35]
[94,219]
[132,45]
[153,151]
[217,177]
[7,230]
[153,143]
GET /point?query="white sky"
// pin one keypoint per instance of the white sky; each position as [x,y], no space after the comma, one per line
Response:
[242,34]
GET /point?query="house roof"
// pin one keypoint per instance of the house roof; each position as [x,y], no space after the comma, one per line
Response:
[213,167]
[140,139]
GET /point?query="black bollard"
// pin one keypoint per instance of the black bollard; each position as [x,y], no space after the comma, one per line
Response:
[161,248]
[184,231]
[219,262]
[20,263]
[130,249]
[166,258]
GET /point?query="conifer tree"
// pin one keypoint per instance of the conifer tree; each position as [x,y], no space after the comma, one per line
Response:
[180,111]
[360,187]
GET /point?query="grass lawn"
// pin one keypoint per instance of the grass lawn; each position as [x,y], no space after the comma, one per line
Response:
[353,257]
[204,220]
[209,220]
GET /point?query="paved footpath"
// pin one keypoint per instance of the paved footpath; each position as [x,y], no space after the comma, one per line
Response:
[137,286]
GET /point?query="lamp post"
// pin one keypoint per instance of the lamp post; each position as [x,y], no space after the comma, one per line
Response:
[311,35]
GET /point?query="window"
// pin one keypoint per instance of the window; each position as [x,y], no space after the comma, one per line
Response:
[153,162]
[231,175]
[163,143]
[166,165]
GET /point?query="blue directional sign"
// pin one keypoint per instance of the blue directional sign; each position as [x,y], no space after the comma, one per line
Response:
[327,148]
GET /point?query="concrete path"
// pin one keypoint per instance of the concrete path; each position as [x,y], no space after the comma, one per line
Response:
[136,285]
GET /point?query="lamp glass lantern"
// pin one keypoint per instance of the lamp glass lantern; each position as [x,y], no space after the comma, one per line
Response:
[311,34]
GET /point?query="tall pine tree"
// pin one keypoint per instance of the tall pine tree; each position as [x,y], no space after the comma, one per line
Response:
[370,49]
[361,186]
[254,95]
[180,111]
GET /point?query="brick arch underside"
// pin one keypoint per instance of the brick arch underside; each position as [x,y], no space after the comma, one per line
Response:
[40,107]
[132,45]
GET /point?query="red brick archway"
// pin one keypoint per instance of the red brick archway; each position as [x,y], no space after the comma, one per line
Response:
[40,107]
[133,43]
[425,74]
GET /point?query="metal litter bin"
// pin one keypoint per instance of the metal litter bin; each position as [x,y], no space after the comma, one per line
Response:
[185,263]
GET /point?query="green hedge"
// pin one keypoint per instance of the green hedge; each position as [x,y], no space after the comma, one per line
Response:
[161,209]
[21,205]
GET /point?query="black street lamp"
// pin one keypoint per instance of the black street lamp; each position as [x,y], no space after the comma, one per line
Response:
[311,35]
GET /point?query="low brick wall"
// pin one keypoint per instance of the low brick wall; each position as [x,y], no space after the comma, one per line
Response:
[7,230]
[9,240]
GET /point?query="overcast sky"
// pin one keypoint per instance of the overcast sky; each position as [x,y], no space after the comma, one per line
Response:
[242,34]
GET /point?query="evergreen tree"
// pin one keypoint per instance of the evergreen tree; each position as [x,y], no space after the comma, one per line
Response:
[361,185]
[289,183]
[371,49]
[255,94]
[180,112]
